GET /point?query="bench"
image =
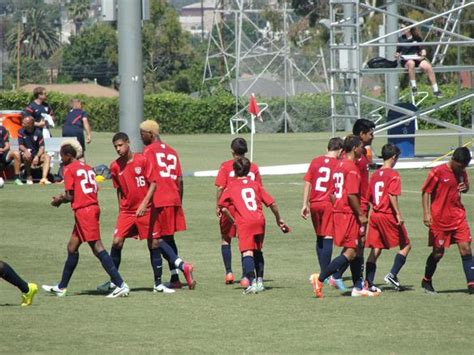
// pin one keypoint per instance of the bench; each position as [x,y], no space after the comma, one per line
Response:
[52,146]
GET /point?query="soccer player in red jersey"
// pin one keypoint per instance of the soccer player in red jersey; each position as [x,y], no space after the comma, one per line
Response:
[318,199]
[128,177]
[247,196]
[81,191]
[348,220]
[226,175]
[445,216]
[386,228]
[166,186]
[29,290]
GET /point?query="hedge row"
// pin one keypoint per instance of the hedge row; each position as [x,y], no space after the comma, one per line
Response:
[181,113]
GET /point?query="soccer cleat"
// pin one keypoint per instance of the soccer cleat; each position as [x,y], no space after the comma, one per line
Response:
[470,288]
[252,289]
[428,287]
[45,182]
[27,298]
[317,285]
[358,292]
[29,182]
[244,282]
[122,291]
[188,274]
[260,287]
[229,278]
[438,94]
[414,90]
[163,289]
[106,286]
[175,284]
[337,284]
[374,289]
[18,182]
[60,292]
[392,280]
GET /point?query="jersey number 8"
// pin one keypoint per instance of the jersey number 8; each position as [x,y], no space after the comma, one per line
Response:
[248,195]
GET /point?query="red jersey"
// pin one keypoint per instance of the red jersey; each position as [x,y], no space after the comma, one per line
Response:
[363,165]
[346,181]
[226,174]
[447,211]
[247,197]
[80,179]
[319,176]
[129,177]
[383,183]
[164,169]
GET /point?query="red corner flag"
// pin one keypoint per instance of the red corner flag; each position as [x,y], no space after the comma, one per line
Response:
[253,107]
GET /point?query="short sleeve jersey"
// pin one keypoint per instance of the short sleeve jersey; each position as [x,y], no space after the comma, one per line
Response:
[4,136]
[164,169]
[346,181]
[363,165]
[247,197]
[36,111]
[226,174]
[32,140]
[80,179]
[129,177]
[74,120]
[319,176]
[383,183]
[447,211]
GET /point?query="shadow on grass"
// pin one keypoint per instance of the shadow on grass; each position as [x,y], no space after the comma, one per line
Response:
[10,305]
[454,291]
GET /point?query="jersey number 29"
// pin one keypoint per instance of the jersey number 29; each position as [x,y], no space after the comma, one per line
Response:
[88,183]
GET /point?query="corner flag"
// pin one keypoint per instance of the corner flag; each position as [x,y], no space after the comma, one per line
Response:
[253,107]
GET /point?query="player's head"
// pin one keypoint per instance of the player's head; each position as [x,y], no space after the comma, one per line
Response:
[73,142]
[352,145]
[75,104]
[460,159]
[68,154]
[239,147]
[335,145]
[121,143]
[390,151]
[28,123]
[364,129]
[149,131]
[40,93]
[241,166]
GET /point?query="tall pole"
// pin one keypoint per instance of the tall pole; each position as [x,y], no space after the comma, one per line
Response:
[391,79]
[130,70]
[18,44]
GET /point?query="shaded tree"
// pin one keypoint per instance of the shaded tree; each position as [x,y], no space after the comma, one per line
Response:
[78,11]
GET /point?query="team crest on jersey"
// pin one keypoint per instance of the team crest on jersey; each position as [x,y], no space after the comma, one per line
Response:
[35,138]
[138,170]
[326,160]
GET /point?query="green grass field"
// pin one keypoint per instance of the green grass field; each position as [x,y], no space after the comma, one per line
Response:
[215,317]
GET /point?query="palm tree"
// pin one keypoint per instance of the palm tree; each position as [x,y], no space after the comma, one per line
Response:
[78,11]
[38,37]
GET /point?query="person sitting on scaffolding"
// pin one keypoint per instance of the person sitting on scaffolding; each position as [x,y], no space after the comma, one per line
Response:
[414,56]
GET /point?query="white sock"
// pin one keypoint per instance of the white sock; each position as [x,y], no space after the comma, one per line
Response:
[435,87]
[177,262]
[413,83]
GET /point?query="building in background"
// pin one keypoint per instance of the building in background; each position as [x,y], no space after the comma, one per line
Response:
[192,17]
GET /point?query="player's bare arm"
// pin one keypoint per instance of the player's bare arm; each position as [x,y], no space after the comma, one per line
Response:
[40,124]
[65,197]
[305,209]
[181,187]
[425,201]
[354,203]
[463,187]
[146,200]
[226,212]
[394,204]
[26,153]
[219,191]
[279,221]
[87,127]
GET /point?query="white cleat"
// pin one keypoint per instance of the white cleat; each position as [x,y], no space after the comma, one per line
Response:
[374,289]
[106,286]
[122,291]
[252,289]
[55,290]
[357,292]
[163,289]
[260,287]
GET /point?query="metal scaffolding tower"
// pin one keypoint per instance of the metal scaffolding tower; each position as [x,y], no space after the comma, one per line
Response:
[253,55]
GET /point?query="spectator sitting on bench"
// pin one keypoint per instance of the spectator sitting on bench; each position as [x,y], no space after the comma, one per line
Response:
[414,56]
[6,155]
[33,155]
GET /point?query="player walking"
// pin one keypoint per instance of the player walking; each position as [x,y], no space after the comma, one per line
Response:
[28,289]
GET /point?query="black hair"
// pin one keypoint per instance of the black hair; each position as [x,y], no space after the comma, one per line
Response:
[389,150]
[350,142]
[68,149]
[335,143]
[241,166]
[362,125]
[239,146]
[120,136]
[462,155]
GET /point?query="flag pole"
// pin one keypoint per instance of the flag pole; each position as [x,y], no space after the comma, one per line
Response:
[252,132]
